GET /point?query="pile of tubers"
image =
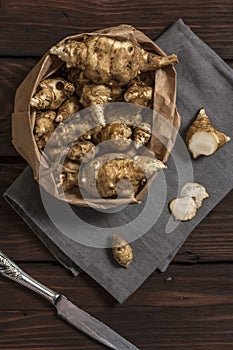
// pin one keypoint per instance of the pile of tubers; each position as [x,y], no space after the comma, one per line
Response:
[96,71]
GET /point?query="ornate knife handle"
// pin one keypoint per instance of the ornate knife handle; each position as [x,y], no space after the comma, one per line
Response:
[9,269]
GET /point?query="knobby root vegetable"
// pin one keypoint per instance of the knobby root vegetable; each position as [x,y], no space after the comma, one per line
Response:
[69,181]
[69,176]
[44,127]
[93,94]
[139,94]
[142,134]
[202,138]
[44,123]
[108,61]
[119,135]
[81,151]
[183,208]
[117,174]
[53,92]
[122,251]
[150,166]
[67,109]
[196,191]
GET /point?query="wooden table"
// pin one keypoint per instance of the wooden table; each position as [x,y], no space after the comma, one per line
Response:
[188,307]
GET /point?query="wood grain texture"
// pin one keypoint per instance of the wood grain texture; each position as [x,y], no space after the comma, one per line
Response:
[190,308]
[29,28]
[12,72]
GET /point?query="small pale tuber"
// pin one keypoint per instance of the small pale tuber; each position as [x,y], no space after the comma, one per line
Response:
[93,94]
[44,127]
[118,133]
[52,93]
[184,208]
[80,151]
[196,191]
[109,61]
[202,138]
[67,109]
[139,94]
[122,251]
[149,165]
[44,123]
[69,176]
[142,134]
[69,181]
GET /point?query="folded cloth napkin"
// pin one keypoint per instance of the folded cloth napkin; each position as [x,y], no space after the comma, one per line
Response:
[204,80]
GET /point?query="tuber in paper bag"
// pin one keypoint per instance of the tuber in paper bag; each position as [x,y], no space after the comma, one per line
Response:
[164,105]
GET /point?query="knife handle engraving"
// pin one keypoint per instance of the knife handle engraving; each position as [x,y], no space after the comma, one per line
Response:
[10,270]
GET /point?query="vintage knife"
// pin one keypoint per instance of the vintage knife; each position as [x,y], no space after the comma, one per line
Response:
[66,309]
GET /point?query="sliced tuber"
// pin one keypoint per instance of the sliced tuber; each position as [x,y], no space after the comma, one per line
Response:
[196,191]
[202,138]
[184,208]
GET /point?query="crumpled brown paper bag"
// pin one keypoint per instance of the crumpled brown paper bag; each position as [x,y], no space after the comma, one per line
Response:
[23,118]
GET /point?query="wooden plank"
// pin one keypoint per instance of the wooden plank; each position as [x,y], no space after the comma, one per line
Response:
[30,29]
[12,72]
[211,241]
[206,285]
[171,311]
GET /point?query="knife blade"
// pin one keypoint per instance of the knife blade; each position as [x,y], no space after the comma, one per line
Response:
[66,309]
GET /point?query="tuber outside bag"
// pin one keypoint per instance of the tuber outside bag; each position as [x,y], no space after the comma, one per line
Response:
[164,105]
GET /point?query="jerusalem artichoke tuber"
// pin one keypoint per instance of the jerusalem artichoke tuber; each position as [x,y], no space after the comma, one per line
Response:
[81,150]
[192,196]
[183,208]
[196,191]
[122,251]
[202,138]
[93,94]
[118,133]
[142,134]
[67,109]
[109,61]
[139,94]
[105,173]
[52,93]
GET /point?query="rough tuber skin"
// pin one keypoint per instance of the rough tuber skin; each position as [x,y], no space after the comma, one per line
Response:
[122,251]
[104,173]
[69,176]
[118,133]
[109,178]
[139,94]
[80,151]
[67,109]
[93,94]
[104,60]
[53,92]
[44,123]
[142,135]
[202,138]
[44,127]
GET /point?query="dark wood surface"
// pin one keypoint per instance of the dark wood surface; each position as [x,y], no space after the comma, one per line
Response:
[188,307]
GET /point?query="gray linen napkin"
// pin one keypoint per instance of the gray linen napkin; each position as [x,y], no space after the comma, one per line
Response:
[204,80]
